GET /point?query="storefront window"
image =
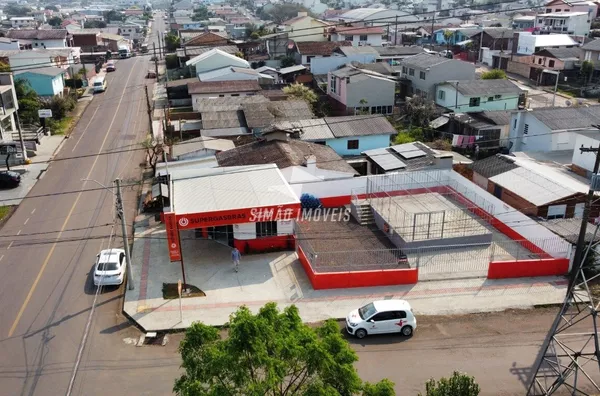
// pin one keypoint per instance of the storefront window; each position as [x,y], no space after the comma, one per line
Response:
[266,229]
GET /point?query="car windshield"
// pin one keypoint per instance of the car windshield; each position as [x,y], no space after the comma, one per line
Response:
[110,266]
[98,84]
[367,311]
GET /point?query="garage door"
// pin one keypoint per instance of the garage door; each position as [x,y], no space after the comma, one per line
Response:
[557,211]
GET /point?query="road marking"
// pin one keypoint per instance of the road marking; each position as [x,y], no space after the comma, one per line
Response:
[64,225]
[19,233]
[86,128]
[26,221]
[33,211]
[9,245]
[1,257]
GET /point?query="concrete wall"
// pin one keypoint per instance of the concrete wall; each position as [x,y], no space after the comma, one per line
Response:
[376,91]
[505,102]
[520,68]
[298,31]
[340,145]
[452,70]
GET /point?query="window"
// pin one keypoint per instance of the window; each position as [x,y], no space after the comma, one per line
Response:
[266,229]
[411,72]
[349,38]
[353,144]
[333,84]
[540,61]
[363,37]
[390,109]
[515,124]
[526,129]
[321,142]
[235,94]
[491,99]
[417,91]
[474,102]
[404,69]
[422,75]
[441,95]
[551,63]
[400,314]
[548,10]
[6,124]
[383,316]
[221,96]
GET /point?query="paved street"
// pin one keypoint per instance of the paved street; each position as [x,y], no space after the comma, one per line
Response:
[46,291]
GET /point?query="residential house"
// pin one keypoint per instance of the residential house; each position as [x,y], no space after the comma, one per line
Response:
[304,28]
[493,38]
[478,95]
[232,73]
[459,35]
[61,58]
[224,116]
[551,129]
[55,38]
[405,157]
[485,130]
[87,40]
[39,15]
[305,51]
[262,116]
[356,91]
[187,23]
[376,16]
[357,35]
[216,59]
[557,6]
[8,107]
[347,136]
[339,57]
[71,26]
[183,5]
[299,162]
[393,54]
[591,52]
[216,89]
[131,31]
[534,67]
[186,53]
[78,17]
[202,146]
[531,187]
[573,23]
[133,12]
[524,22]
[208,39]
[528,44]
[22,22]
[46,81]
[112,42]
[422,73]
[9,44]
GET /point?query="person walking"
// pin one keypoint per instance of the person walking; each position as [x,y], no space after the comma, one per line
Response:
[235,257]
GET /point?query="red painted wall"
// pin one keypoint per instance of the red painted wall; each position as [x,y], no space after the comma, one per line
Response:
[306,265]
[336,202]
[280,242]
[527,268]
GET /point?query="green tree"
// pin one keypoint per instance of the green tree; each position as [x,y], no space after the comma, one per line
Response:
[201,13]
[60,106]
[16,10]
[419,111]
[172,42]
[29,102]
[409,135]
[95,25]
[56,21]
[4,67]
[271,353]
[288,61]
[113,16]
[587,70]
[494,74]
[299,91]
[51,8]
[457,385]
[448,34]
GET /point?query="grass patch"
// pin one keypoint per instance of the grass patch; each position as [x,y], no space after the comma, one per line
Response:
[62,127]
[5,211]
[169,291]
[565,92]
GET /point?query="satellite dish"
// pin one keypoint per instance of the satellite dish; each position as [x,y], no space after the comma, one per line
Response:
[568,102]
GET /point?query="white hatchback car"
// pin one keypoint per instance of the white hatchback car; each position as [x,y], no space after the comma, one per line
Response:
[110,267]
[381,317]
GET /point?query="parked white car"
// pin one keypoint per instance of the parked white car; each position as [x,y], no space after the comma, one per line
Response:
[382,317]
[110,267]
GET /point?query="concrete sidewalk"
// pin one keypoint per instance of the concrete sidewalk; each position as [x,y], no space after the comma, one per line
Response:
[279,277]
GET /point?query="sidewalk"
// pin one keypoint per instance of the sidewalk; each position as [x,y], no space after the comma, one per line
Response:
[279,277]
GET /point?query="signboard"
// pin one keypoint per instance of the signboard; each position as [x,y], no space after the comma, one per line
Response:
[172,237]
[246,215]
[45,113]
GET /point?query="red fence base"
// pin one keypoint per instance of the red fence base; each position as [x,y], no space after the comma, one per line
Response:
[343,280]
[267,244]
[527,268]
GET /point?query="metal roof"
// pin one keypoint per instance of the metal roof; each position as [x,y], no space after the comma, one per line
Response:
[386,160]
[557,118]
[310,130]
[292,69]
[229,188]
[201,143]
[409,151]
[485,87]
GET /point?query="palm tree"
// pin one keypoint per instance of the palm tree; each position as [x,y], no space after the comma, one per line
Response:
[448,34]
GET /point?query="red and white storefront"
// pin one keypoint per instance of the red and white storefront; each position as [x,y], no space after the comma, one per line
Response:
[250,207]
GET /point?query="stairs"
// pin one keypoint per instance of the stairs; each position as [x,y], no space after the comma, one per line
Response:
[365,214]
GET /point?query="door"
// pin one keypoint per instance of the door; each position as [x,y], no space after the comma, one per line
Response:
[229,235]
[383,322]
[497,191]
[400,320]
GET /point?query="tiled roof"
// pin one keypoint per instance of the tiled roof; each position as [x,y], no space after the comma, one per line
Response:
[34,34]
[260,115]
[493,166]
[496,32]
[47,71]
[199,87]
[208,38]
[284,154]
[562,53]
[593,45]
[360,125]
[351,50]
[568,117]
[398,50]
[485,87]
[225,104]
[497,117]
[320,47]
[222,119]
[424,61]
[201,143]
[378,67]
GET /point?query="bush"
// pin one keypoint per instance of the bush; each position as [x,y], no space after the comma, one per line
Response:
[309,201]
[73,83]
[60,106]
[494,74]
[172,62]
[457,385]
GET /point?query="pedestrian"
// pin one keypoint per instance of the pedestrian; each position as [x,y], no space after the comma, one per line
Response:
[235,257]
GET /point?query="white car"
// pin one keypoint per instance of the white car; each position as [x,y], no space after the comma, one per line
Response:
[382,317]
[110,267]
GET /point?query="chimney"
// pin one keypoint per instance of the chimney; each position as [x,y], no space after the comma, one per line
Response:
[302,14]
[311,164]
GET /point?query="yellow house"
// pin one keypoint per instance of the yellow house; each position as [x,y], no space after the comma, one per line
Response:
[305,28]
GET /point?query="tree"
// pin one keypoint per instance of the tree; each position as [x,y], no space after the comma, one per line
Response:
[154,151]
[448,34]
[95,25]
[409,135]
[299,91]
[172,61]
[16,10]
[587,70]
[113,16]
[419,110]
[51,8]
[494,74]
[254,36]
[4,67]
[270,353]
[56,21]
[288,61]
[28,99]
[280,12]
[457,385]
[172,42]
[201,13]
[60,105]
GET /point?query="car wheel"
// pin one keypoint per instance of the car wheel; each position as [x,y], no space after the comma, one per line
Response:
[407,331]
[360,333]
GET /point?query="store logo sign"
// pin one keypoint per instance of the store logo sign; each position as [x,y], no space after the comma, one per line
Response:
[183,222]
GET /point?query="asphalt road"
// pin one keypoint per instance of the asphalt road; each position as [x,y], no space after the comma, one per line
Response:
[46,291]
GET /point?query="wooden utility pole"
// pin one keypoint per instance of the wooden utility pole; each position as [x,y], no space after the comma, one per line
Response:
[149,107]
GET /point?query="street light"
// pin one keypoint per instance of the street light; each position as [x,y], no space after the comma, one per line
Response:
[557,74]
[121,214]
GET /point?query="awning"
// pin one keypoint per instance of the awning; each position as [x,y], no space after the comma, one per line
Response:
[438,122]
[464,42]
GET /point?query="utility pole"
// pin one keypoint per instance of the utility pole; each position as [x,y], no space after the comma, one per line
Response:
[23,148]
[121,215]
[431,37]
[155,60]
[160,52]
[149,107]
[570,355]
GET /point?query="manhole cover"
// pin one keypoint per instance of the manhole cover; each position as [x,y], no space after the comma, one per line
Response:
[153,339]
